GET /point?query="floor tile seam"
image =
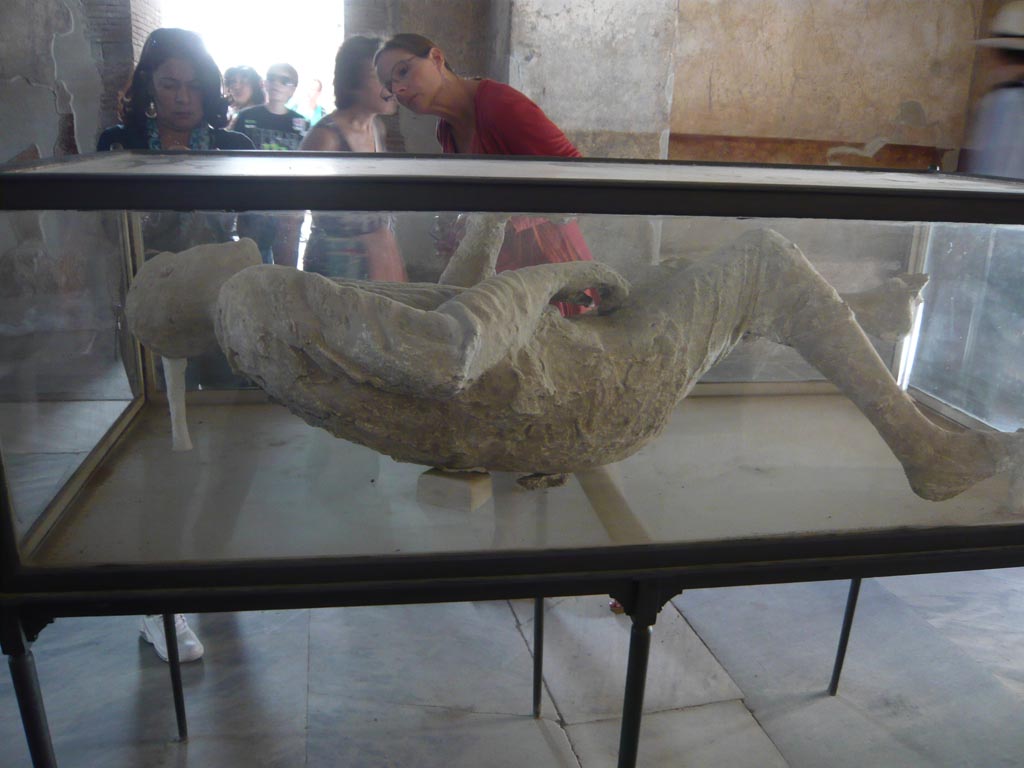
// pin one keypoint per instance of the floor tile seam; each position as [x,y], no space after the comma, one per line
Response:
[767,735]
[657,711]
[706,646]
[571,743]
[543,678]
[524,713]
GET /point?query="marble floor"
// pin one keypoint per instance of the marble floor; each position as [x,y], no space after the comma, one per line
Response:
[934,677]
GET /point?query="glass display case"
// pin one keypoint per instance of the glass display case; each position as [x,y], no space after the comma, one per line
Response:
[764,472]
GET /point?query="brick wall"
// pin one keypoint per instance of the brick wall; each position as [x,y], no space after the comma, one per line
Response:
[110,32]
[145,17]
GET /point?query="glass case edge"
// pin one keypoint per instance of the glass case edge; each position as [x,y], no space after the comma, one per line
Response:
[79,478]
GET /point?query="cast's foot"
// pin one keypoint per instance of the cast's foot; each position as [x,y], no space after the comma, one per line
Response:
[965,458]
[152,631]
[888,310]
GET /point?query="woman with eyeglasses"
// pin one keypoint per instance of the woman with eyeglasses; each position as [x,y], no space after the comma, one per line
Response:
[244,88]
[354,245]
[484,117]
[174,101]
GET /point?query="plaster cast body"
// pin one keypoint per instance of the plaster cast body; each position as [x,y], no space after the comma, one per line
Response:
[481,372]
[491,376]
[171,307]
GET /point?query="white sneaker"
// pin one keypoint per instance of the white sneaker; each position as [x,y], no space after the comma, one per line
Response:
[152,631]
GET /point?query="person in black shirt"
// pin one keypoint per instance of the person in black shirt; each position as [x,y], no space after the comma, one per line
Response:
[273,125]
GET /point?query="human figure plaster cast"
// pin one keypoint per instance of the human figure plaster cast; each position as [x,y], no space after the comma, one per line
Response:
[171,306]
[479,371]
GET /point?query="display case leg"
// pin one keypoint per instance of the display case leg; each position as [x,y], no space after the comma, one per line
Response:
[642,602]
[844,635]
[174,662]
[27,691]
[538,653]
[633,701]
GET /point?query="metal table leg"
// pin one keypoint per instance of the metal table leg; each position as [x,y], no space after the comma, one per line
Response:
[538,653]
[642,603]
[174,662]
[844,635]
[28,693]
[633,701]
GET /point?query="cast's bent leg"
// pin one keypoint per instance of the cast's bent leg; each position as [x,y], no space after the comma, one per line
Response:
[793,305]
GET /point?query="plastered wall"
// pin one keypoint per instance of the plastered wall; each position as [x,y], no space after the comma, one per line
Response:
[832,70]
[601,69]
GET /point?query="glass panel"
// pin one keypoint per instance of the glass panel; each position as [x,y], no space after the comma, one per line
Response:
[265,481]
[67,366]
[971,352]
[261,483]
[852,256]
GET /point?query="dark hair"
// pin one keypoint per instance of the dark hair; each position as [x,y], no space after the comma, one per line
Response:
[252,77]
[410,42]
[161,45]
[350,68]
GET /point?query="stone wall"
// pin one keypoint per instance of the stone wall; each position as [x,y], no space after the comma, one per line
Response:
[62,63]
[873,72]
[601,69]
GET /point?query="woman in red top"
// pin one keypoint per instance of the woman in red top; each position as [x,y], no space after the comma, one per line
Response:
[484,117]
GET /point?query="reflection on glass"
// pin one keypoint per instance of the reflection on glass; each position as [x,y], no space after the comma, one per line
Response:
[67,367]
[971,350]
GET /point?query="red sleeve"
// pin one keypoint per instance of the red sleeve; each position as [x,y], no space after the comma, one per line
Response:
[508,123]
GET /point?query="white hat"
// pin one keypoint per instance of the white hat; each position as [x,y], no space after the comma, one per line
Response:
[1007,28]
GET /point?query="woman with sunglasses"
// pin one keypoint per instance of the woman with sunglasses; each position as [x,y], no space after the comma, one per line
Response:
[484,117]
[354,245]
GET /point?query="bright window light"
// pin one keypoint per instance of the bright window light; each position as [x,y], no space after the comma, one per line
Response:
[303,33]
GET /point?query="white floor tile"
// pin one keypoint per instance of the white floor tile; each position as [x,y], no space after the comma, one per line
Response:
[709,736]
[585,652]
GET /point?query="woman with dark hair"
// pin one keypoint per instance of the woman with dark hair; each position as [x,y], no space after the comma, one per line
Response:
[356,245]
[173,100]
[244,87]
[484,117]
